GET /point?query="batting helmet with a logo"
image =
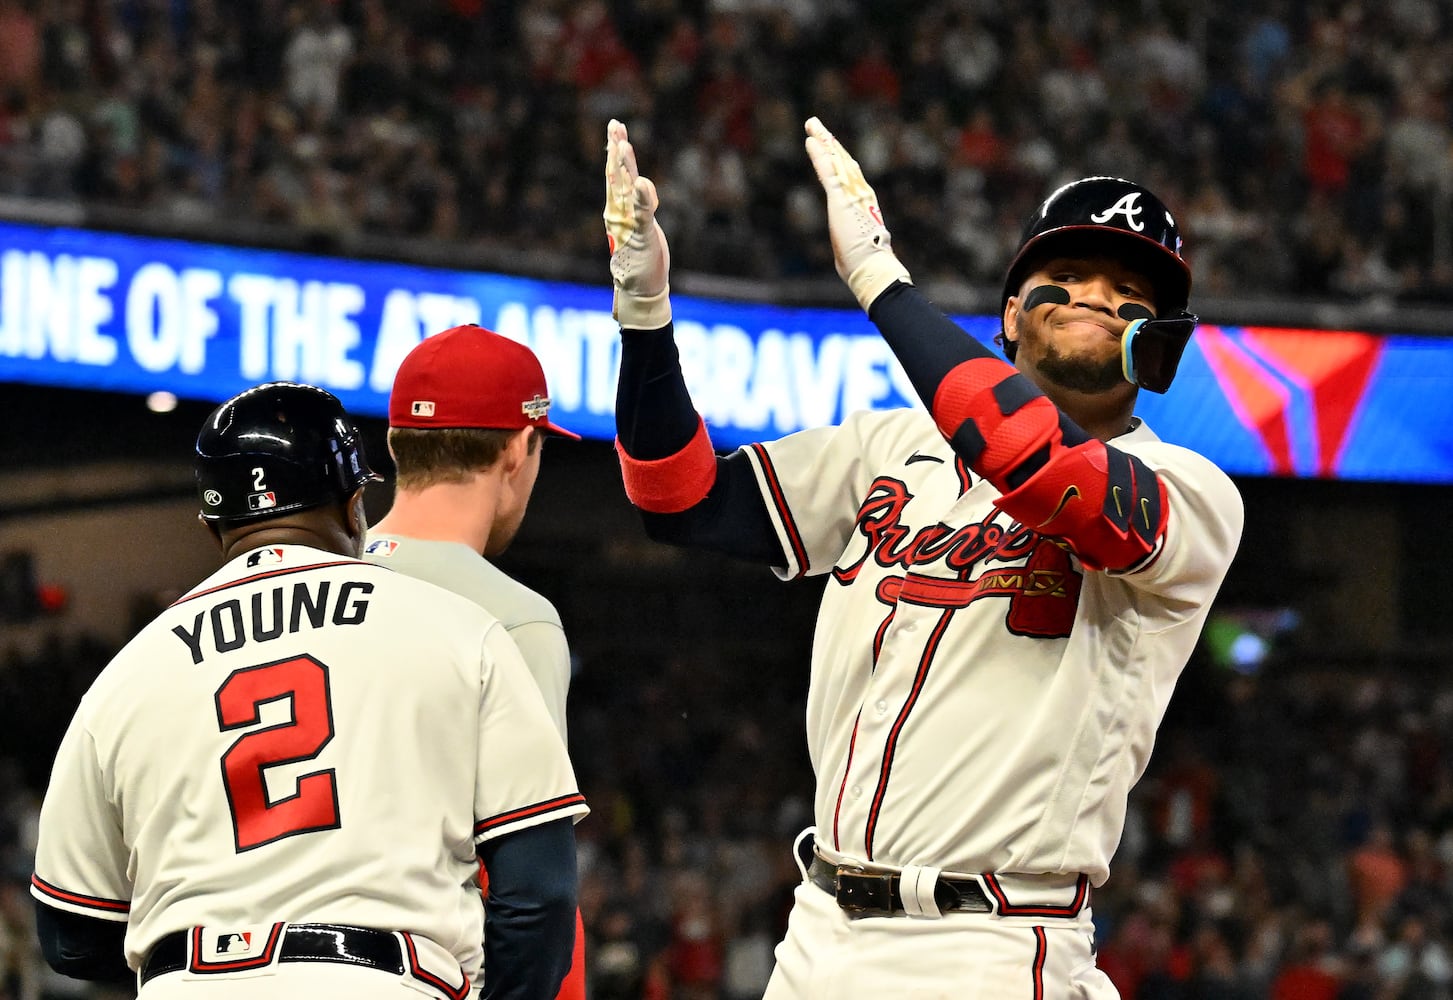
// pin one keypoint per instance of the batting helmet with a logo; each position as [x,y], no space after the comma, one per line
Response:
[1110,217]
[274,449]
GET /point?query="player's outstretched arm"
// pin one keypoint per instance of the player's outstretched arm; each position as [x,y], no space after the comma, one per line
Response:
[687,495]
[1055,477]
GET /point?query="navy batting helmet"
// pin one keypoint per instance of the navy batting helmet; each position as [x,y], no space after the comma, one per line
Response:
[1111,217]
[275,449]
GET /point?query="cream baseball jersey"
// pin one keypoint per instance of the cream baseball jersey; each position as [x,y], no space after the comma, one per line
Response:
[303,736]
[531,620]
[979,701]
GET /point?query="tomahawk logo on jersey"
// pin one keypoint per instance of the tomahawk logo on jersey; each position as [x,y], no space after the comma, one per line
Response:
[993,557]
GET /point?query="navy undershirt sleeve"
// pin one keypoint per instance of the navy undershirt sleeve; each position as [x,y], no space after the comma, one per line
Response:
[926,343]
[530,911]
[655,418]
[82,947]
[929,345]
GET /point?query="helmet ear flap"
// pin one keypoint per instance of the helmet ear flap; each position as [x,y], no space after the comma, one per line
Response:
[1151,349]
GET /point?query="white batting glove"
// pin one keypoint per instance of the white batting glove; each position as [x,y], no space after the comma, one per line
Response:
[640,261]
[860,240]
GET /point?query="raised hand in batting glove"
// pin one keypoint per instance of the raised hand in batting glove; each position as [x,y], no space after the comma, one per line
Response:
[640,261]
[860,241]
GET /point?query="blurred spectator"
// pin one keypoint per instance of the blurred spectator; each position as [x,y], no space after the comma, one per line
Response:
[1312,970]
[1377,875]
[1415,964]
[1312,143]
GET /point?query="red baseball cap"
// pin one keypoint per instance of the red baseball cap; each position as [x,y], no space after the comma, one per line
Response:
[468,376]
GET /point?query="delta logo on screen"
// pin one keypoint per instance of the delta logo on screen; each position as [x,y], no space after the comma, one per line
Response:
[1278,381]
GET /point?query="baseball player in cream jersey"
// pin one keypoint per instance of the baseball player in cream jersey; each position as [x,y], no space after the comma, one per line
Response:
[1018,573]
[281,787]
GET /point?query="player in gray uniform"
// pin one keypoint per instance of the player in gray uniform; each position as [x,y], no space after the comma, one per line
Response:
[468,417]
[1018,572]
[284,785]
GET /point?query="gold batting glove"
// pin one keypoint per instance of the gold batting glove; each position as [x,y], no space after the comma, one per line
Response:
[640,261]
[861,244]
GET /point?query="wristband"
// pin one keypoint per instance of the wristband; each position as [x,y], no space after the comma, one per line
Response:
[672,484]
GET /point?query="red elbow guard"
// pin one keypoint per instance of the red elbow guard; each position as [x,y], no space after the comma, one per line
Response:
[1110,507]
[672,484]
[993,417]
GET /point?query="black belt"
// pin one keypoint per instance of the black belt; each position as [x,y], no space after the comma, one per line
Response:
[877,893]
[360,946]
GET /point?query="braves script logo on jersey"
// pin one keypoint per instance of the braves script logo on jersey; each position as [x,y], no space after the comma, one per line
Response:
[1043,589]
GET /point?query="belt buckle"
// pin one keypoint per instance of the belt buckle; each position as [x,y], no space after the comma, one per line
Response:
[861,891]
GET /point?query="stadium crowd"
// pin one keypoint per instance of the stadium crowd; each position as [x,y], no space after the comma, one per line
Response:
[1293,839]
[1306,144]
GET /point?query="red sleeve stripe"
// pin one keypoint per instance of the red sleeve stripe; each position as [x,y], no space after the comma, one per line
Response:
[779,501]
[549,805]
[79,899]
[269,575]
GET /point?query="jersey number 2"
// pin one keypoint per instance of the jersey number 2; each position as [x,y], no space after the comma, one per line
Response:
[303,682]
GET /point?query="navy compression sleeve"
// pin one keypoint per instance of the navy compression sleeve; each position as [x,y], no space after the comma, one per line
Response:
[687,494]
[82,947]
[530,911]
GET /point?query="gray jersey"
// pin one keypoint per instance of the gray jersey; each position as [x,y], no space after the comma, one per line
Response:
[531,620]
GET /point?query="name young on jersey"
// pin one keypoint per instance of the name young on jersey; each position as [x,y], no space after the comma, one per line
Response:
[231,624]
